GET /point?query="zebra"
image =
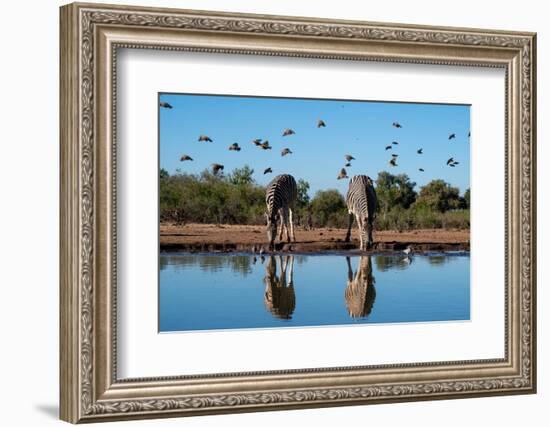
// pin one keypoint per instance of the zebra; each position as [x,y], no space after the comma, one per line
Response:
[361,202]
[280,198]
[279,296]
[360,292]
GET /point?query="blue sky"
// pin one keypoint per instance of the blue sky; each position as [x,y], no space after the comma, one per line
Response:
[360,128]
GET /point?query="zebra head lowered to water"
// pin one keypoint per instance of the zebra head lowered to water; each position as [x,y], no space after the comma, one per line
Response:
[361,203]
[280,198]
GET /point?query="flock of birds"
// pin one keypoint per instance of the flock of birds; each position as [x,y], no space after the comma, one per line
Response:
[258,142]
[264,145]
[393,161]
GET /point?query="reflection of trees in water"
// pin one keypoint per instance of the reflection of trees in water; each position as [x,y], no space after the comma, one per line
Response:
[241,264]
[300,259]
[400,262]
[438,259]
[237,263]
[163,262]
[279,297]
[385,263]
[360,292]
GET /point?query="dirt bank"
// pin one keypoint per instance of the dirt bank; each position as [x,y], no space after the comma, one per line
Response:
[250,238]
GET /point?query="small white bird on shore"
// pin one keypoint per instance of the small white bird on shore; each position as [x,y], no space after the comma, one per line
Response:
[407,251]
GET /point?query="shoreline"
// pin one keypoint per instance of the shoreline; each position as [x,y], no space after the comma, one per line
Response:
[212,238]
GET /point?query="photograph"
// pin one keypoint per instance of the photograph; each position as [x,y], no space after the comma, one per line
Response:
[269,209]
[298,212]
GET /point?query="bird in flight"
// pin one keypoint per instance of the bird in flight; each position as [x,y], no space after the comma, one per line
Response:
[165,105]
[257,142]
[285,152]
[185,157]
[419,151]
[204,138]
[393,162]
[349,157]
[388,147]
[348,164]
[265,145]
[343,174]
[452,162]
[469,133]
[396,125]
[287,132]
[395,155]
[268,170]
[216,167]
[395,143]
[452,136]
[321,124]
[234,147]
[421,170]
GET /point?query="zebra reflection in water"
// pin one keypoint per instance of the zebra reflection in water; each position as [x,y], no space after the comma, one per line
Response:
[279,297]
[360,292]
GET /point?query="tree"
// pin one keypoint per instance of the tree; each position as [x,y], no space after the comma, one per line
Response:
[303,208]
[164,173]
[242,176]
[393,191]
[303,197]
[438,195]
[467,198]
[329,208]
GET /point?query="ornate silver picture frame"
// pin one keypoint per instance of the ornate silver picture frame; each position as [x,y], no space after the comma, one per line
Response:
[91,34]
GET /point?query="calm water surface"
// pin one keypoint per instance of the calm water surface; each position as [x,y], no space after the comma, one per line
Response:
[204,292]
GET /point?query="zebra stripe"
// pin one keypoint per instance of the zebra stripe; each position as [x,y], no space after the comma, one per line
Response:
[361,202]
[280,197]
[361,197]
[281,193]
[360,292]
[279,296]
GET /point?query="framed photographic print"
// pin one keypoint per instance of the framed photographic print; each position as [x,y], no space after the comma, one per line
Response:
[267,212]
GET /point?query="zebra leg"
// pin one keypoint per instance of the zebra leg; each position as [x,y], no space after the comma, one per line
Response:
[350,271]
[291,271]
[286,219]
[361,224]
[284,264]
[350,223]
[282,221]
[369,233]
[290,219]
[282,275]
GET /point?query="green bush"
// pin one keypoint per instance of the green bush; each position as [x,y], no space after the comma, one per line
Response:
[237,199]
[438,195]
[394,191]
[328,209]
[207,198]
[421,217]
